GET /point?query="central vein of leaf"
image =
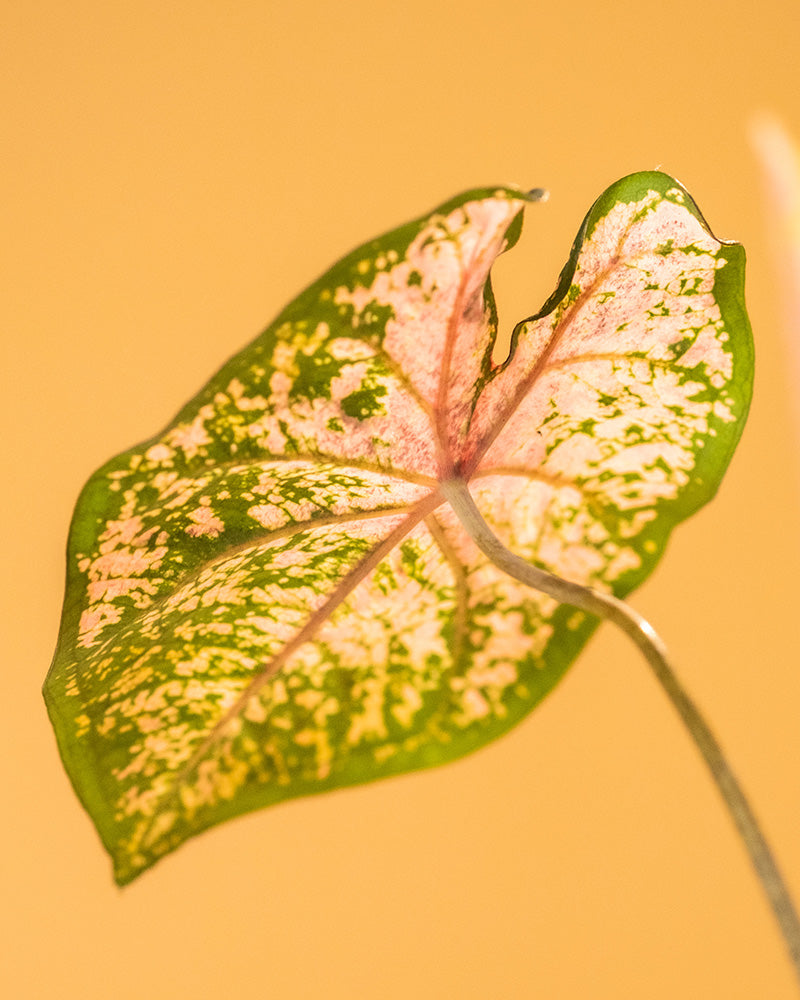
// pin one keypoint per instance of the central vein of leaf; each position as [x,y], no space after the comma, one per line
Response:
[444,453]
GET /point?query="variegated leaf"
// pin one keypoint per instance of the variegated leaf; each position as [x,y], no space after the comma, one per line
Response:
[270,598]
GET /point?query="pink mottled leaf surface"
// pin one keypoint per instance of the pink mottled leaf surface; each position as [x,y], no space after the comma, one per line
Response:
[271,598]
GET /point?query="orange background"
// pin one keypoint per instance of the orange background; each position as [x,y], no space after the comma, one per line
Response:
[172,174]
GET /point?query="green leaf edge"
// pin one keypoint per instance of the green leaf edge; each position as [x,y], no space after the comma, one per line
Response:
[705,479]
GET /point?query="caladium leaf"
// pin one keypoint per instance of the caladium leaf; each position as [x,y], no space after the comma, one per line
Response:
[270,598]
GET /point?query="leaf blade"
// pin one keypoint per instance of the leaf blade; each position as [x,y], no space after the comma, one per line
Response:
[269,599]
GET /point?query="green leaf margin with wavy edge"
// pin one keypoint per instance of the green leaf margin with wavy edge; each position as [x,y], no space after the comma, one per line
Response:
[705,478]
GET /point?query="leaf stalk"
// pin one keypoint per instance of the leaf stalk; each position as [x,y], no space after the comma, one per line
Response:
[637,628]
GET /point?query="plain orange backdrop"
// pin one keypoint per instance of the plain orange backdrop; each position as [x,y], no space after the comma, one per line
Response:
[172,174]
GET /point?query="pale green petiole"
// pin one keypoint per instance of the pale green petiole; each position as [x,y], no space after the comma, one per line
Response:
[608,608]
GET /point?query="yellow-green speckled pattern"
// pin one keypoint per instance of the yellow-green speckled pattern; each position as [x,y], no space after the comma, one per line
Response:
[270,598]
